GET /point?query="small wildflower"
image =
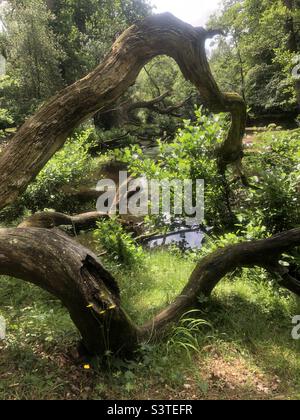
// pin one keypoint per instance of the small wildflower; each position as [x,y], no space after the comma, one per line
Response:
[86,367]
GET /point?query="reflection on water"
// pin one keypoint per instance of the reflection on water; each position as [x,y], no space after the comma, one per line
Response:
[184,239]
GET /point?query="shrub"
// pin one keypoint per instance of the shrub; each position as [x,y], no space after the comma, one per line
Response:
[119,244]
[192,155]
[69,166]
[275,171]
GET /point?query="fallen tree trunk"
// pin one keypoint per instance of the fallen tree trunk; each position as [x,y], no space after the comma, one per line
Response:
[79,222]
[72,273]
[46,132]
[49,220]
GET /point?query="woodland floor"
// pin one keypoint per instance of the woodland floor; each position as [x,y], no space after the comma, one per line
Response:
[246,353]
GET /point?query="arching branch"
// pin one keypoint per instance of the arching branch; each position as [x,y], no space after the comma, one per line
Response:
[73,274]
[209,272]
[46,132]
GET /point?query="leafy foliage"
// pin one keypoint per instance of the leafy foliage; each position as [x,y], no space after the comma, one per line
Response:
[33,56]
[86,29]
[190,156]
[119,244]
[259,52]
[275,172]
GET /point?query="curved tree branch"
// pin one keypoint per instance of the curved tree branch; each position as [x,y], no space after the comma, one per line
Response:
[170,110]
[131,106]
[46,132]
[73,274]
[213,268]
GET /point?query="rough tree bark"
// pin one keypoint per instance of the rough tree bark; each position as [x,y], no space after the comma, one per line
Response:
[78,222]
[56,263]
[49,220]
[46,132]
[72,273]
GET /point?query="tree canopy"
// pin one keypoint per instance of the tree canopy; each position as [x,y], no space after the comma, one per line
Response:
[261,46]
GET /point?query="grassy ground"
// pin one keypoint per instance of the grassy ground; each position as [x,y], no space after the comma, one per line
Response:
[247,351]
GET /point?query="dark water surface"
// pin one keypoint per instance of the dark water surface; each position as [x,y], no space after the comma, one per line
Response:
[184,238]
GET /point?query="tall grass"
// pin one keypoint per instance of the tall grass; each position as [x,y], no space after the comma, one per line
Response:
[246,319]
